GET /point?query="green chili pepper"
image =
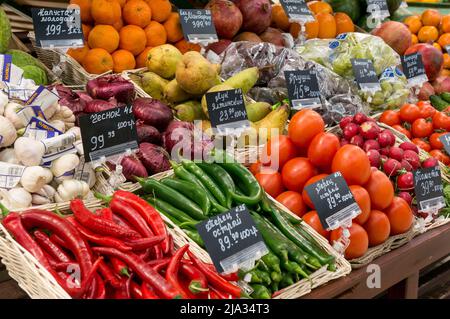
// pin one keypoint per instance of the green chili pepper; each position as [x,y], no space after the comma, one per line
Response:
[293,268]
[274,286]
[260,292]
[171,212]
[276,276]
[265,276]
[221,177]
[286,281]
[272,261]
[195,236]
[261,265]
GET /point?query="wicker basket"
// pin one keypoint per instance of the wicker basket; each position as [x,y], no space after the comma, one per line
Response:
[300,288]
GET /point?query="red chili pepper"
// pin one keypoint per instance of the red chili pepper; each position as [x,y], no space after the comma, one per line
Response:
[145,255]
[144,243]
[228,277]
[101,290]
[124,210]
[214,279]
[106,213]
[171,246]
[136,291]
[145,272]
[221,294]
[119,267]
[185,286]
[43,241]
[108,275]
[173,267]
[122,293]
[198,282]
[89,284]
[99,239]
[150,215]
[156,262]
[98,224]
[63,266]
[121,222]
[58,241]
[212,294]
[148,292]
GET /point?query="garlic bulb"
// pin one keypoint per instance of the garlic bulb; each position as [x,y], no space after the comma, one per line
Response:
[51,110]
[16,198]
[71,189]
[44,196]
[34,178]
[29,151]
[59,125]
[3,101]
[76,130]
[7,132]
[63,167]
[48,175]
[11,114]
[65,115]
[9,156]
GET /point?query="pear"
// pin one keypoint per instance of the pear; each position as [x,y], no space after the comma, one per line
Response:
[257,111]
[189,111]
[276,120]
[195,74]
[217,88]
[174,94]
[153,84]
[205,126]
[163,60]
[244,80]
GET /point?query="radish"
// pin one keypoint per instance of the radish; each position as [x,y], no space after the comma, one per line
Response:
[430,162]
[371,145]
[396,153]
[412,158]
[386,138]
[374,158]
[406,196]
[385,151]
[350,130]
[383,158]
[405,181]
[345,121]
[391,167]
[360,118]
[344,142]
[357,140]
[406,165]
[369,130]
[409,146]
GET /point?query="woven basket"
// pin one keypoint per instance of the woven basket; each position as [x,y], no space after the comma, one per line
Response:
[300,288]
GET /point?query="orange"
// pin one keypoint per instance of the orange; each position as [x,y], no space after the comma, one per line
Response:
[428,34]
[85,8]
[98,61]
[414,39]
[137,12]
[413,23]
[133,39]
[104,37]
[319,7]
[185,46]
[377,227]
[279,18]
[445,72]
[445,24]
[446,60]
[327,26]
[437,46]
[444,40]
[118,25]
[311,29]
[431,17]
[86,30]
[106,11]
[141,59]
[79,53]
[156,34]
[121,2]
[123,60]
[343,23]
[161,9]
[173,28]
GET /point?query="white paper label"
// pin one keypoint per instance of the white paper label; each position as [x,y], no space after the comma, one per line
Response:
[10,175]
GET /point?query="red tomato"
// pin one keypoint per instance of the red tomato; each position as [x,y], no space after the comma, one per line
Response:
[271,182]
[426,109]
[296,172]
[390,118]
[359,241]
[293,201]
[441,120]
[362,198]
[440,156]
[310,181]
[353,163]
[422,128]
[400,216]
[409,113]
[322,149]
[421,144]
[377,227]
[402,130]
[304,126]
[278,151]
[380,190]
[313,220]
[255,168]
[435,142]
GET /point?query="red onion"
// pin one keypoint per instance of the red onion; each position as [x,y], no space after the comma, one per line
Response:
[131,167]
[108,86]
[147,133]
[152,112]
[98,106]
[154,158]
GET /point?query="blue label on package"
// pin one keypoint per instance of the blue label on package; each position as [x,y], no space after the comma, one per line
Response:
[6,70]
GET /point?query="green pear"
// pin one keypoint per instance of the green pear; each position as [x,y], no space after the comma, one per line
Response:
[153,84]
[163,60]
[258,110]
[189,111]
[173,93]
[244,80]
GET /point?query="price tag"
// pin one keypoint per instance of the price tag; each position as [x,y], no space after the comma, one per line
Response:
[297,11]
[333,201]
[227,111]
[445,139]
[10,174]
[378,8]
[108,133]
[197,26]
[303,89]
[43,98]
[232,240]
[58,28]
[414,69]
[365,75]
[428,189]
[10,73]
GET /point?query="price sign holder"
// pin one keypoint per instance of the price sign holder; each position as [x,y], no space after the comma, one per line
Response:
[365,75]
[303,89]
[445,139]
[429,190]
[378,9]
[297,11]
[414,69]
[58,28]
[232,240]
[108,133]
[198,26]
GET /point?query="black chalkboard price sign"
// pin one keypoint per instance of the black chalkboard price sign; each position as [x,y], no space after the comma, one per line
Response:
[428,189]
[57,28]
[413,68]
[297,10]
[198,26]
[365,75]
[232,239]
[333,200]
[227,111]
[445,140]
[108,133]
[378,8]
[303,89]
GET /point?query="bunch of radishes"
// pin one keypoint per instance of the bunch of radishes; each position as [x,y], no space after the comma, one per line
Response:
[397,161]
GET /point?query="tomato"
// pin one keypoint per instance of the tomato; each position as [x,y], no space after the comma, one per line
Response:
[409,113]
[422,128]
[271,182]
[421,104]
[304,126]
[310,181]
[312,219]
[278,151]
[402,130]
[426,109]
[440,156]
[362,198]
[390,118]
[400,216]
[353,163]
[380,190]
[255,168]
[377,227]
[441,120]
[293,201]
[421,144]
[359,241]
[322,149]
[296,172]
[435,142]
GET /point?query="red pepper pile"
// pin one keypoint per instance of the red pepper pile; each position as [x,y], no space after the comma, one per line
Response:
[121,252]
